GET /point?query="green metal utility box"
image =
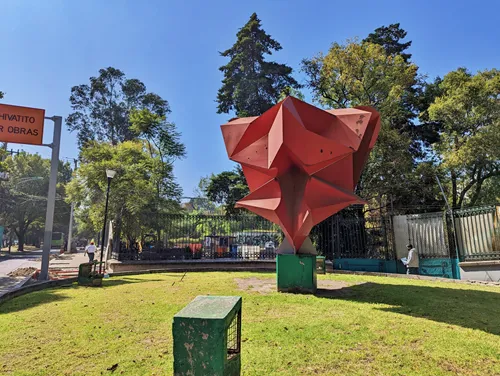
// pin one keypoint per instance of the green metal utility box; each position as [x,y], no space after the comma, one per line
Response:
[207,337]
[296,273]
[88,276]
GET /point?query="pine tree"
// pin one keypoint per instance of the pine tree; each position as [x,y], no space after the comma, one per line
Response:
[390,38]
[252,85]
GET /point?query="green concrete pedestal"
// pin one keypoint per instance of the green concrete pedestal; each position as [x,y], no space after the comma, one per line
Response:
[207,337]
[296,273]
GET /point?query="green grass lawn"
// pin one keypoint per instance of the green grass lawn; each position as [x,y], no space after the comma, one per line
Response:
[368,326]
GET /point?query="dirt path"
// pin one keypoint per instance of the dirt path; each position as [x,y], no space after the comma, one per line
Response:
[268,285]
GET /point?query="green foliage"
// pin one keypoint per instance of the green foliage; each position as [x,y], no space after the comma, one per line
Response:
[357,74]
[252,85]
[143,188]
[227,188]
[24,195]
[390,38]
[468,108]
[365,74]
[114,108]
[290,91]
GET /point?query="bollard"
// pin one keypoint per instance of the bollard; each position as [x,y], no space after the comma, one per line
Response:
[207,337]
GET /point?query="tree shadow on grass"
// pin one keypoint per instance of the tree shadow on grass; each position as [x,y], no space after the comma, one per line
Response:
[30,300]
[45,296]
[473,309]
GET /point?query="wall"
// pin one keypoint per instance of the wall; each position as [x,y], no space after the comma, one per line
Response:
[367,265]
[480,271]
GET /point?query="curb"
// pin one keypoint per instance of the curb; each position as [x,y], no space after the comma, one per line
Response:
[419,277]
[35,287]
[182,270]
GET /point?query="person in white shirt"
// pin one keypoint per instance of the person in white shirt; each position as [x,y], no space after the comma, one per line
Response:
[90,250]
[412,260]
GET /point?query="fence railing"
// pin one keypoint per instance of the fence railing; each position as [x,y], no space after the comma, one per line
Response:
[341,236]
[186,237]
[429,234]
[478,233]
[346,235]
[249,237]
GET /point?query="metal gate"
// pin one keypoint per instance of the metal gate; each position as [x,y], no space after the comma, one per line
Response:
[478,233]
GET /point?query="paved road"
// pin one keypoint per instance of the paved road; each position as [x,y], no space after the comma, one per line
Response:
[65,265]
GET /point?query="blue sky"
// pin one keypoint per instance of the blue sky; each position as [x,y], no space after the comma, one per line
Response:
[48,46]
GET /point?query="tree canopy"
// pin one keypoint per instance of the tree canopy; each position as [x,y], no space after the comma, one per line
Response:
[142,189]
[468,108]
[227,188]
[24,195]
[252,85]
[120,124]
[113,108]
[390,38]
[363,73]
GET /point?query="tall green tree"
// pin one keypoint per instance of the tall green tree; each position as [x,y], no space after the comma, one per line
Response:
[252,85]
[363,73]
[468,108]
[227,188]
[115,109]
[24,195]
[134,198]
[390,37]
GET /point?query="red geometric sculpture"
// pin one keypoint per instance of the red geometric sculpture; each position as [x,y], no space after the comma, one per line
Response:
[301,163]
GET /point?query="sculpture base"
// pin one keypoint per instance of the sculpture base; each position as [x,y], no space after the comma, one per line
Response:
[296,273]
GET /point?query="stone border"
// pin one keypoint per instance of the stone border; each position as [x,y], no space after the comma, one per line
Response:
[190,265]
[466,264]
[35,287]
[419,277]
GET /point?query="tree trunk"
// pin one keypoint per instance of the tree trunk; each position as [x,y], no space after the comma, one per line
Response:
[477,191]
[117,230]
[20,239]
[454,189]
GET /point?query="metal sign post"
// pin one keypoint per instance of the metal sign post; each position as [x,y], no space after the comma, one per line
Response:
[51,197]
[24,125]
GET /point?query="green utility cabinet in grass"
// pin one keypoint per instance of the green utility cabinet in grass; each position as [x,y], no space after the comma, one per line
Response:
[207,337]
[88,275]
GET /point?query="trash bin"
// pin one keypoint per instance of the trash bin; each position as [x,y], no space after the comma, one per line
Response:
[88,276]
[234,251]
[320,265]
[207,337]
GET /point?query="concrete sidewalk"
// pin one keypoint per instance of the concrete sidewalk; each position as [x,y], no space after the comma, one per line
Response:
[61,266]
[66,265]
[7,282]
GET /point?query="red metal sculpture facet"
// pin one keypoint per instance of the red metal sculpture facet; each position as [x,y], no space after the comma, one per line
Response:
[301,163]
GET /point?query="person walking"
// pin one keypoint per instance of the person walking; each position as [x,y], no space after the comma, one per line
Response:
[90,250]
[412,261]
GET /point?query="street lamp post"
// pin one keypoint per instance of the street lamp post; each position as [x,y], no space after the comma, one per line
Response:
[110,174]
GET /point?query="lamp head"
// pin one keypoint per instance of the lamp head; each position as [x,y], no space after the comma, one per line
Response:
[110,174]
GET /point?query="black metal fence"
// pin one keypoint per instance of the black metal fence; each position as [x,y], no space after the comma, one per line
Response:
[188,236]
[352,235]
[249,237]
